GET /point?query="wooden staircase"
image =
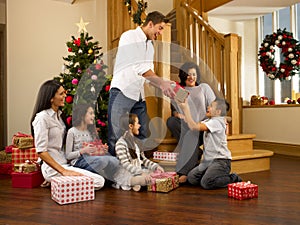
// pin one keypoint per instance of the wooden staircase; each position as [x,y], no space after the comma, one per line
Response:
[245,159]
[219,52]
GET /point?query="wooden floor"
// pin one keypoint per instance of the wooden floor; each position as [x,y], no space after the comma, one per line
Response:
[278,203]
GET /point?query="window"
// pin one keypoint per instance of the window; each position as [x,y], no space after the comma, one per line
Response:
[285,18]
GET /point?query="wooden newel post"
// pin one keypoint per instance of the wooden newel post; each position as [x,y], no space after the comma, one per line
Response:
[233,81]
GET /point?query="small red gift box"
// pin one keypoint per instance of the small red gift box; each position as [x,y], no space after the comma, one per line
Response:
[27,180]
[167,156]
[5,168]
[242,190]
[22,141]
[71,189]
[163,182]
[21,155]
[101,149]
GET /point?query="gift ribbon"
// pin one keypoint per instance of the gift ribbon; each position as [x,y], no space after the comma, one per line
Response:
[158,175]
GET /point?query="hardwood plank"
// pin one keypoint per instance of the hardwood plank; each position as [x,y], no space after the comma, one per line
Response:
[277,203]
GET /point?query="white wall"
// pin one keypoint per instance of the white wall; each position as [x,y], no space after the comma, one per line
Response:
[246,30]
[273,124]
[37,32]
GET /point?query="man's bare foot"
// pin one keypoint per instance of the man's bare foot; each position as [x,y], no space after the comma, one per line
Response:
[182,179]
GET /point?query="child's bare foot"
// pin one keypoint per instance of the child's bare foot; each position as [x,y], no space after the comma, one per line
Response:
[182,179]
[136,187]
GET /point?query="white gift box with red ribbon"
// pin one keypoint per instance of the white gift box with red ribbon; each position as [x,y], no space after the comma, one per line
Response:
[167,156]
[71,189]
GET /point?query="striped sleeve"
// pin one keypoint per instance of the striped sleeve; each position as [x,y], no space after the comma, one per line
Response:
[148,163]
[123,155]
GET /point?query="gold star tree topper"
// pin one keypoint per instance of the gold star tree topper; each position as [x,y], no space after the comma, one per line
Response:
[81,26]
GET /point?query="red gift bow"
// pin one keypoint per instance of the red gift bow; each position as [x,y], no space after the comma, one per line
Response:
[159,175]
[19,134]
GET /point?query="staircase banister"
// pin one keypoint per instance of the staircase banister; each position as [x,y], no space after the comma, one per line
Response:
[204,23]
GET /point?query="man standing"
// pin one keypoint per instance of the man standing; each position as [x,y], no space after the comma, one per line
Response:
[133,66]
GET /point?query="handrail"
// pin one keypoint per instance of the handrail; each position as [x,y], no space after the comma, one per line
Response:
[199,19]
[219,55]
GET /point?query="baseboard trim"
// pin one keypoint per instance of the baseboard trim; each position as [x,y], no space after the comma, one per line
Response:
[278,148]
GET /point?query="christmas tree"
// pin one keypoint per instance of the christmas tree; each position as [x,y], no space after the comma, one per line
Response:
[85,80]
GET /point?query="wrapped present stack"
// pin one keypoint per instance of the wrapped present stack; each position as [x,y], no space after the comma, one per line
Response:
[101,149]
[26,171]
[163,182]
[242,190]
[71,189]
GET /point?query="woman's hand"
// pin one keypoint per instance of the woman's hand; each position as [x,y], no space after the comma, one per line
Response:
[66,172]
[178,115]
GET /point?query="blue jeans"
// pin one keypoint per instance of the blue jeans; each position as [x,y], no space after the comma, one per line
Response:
[118,106]
[216,175]
[105,166]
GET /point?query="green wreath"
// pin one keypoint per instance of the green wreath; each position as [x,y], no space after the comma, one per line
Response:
[290,49]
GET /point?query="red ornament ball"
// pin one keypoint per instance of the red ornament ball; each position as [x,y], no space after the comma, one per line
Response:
[69,99]
[272,102]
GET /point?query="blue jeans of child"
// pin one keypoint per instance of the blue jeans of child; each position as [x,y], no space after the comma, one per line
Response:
[118,106]
[105,165]
[215,175]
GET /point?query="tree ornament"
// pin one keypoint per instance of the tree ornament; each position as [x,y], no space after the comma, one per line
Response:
[81,26]
[90,51]
[290,49]
[76,79]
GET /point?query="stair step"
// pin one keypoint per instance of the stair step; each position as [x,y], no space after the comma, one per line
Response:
[259,160]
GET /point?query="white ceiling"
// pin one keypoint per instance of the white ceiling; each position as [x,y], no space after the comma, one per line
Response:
[239,10]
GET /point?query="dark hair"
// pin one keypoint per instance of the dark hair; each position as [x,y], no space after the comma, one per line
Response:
[78,115]
[156,17]
[183,72]
[222,105]
[125,120]
[46,93]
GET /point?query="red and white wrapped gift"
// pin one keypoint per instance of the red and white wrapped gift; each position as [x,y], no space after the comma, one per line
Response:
[165,156]
[242,190]
[101,149]
[71,189]
[21,155]
[163,182]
